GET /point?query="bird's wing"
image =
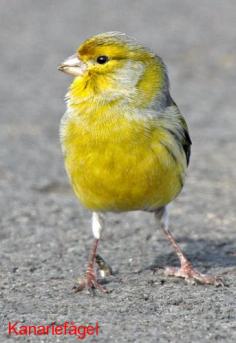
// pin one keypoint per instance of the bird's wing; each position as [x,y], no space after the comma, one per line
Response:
[172,121]
[186,140]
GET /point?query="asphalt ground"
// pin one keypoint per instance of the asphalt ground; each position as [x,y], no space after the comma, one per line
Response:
[45,234]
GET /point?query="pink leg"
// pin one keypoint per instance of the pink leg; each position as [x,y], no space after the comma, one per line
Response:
[186,269]
[89,281]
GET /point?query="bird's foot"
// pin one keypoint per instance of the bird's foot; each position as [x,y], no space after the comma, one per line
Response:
[190,274]
[89,281]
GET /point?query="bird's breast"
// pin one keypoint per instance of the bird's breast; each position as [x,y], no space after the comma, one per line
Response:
[119,164]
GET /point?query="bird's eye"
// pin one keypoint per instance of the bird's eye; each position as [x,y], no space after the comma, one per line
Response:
[102,59]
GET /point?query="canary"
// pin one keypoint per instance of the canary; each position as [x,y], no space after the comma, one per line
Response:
[125,143]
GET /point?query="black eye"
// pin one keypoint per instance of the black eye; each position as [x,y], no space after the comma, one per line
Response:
[102,59]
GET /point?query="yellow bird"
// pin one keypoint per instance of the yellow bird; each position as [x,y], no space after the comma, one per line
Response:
[125,143]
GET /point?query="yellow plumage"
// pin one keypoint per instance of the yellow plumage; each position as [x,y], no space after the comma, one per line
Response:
[126,145]
[120,155]
[119,164]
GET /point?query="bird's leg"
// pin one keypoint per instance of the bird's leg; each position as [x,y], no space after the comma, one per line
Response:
[186,269]
[89,281]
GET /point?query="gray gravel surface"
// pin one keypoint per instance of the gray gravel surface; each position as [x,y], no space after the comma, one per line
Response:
[45,234]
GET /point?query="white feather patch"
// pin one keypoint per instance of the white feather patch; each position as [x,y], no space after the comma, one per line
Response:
[97,224]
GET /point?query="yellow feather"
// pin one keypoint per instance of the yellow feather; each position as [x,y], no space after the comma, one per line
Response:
[119,164]
[119,155]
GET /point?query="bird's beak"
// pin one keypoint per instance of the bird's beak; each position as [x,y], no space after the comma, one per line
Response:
[73,66]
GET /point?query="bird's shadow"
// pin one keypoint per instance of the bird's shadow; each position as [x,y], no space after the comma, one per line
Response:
[202,253]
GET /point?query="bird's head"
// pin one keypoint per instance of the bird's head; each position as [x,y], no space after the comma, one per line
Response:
[112,66]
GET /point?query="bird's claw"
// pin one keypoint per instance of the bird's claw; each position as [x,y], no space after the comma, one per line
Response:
[193,276]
